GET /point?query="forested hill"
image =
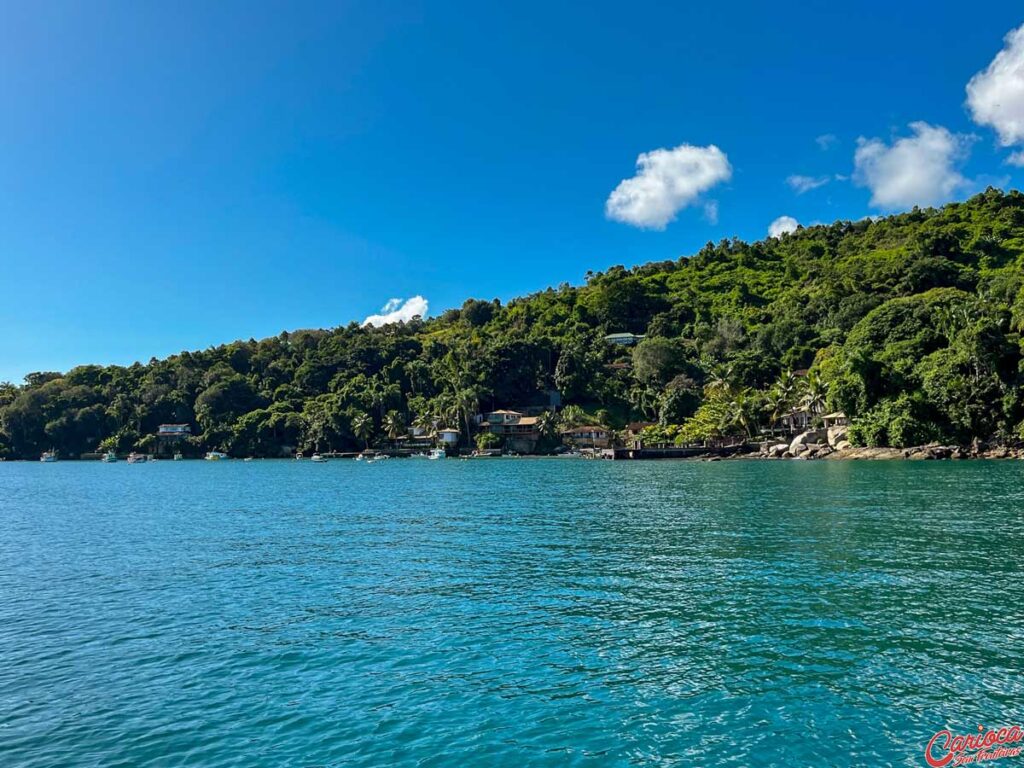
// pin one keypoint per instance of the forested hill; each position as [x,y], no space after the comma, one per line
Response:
[910,324]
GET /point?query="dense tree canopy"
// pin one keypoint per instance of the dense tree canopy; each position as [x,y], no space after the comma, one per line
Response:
[910,324]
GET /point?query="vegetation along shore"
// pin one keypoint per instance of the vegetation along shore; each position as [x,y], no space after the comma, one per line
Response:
[900,332]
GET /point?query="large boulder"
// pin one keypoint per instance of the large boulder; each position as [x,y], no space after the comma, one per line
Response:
[836,435]
[810,436]
[778,449]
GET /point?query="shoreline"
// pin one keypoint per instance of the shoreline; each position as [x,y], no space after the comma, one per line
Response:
[930,452]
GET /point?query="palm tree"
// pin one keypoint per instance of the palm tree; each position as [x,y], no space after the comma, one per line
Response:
[547,424]
[573,416]
[782,396]
[740,412]
[815,392]
[362,427]
[394,424]
[720,377]
[424,421]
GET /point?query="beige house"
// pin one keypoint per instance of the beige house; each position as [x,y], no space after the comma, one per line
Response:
[518,432]
[588,437]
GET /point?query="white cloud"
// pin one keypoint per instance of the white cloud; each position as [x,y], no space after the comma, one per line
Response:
[806,183]
[1017,158]
[996,96]
[711,211]
[915,170]
[399,311]
[826,140]
[667,181]
[782,225]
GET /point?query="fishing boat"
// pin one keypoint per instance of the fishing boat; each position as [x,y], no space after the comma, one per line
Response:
[109,457]
[137,458]
[216,456]
[48,457]
[318,458]
[437,453]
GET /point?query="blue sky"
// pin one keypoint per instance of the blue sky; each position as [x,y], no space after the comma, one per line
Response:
[177,175]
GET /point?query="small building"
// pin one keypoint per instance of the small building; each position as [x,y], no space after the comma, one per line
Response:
[448,437]
[503,417]
[519,433]
[588,437]
[797,420]
[169,435]
[634,432]
[174,430]
[836,419]
[624,339]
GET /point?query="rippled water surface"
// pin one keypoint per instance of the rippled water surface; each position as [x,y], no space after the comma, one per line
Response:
[506,612]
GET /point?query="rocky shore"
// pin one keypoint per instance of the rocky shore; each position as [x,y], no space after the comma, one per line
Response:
[833,444]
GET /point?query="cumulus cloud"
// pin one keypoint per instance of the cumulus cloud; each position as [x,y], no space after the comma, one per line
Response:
[399,311]
[782,225]
[667,180]
[915,170]
[806,183]
[826,140]
[996,96]
[1017,158]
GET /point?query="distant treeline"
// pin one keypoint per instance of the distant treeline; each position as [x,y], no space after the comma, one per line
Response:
[910,324]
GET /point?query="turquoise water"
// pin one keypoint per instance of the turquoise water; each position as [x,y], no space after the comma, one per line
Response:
[505,612]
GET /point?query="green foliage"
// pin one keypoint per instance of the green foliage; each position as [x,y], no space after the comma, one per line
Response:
[910,324]
[487,440]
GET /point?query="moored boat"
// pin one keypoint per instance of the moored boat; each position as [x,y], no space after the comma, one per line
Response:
[215,456]
[437,453]
[48,457]
[109,457]
[318,458]
[137,458]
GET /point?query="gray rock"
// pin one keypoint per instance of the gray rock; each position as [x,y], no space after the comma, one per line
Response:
[810,436]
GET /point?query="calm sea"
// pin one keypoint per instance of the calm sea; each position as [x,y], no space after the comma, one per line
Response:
[506,612]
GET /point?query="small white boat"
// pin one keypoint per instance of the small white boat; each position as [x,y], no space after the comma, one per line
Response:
[216,456]
[299,456]
[178,457]
[318,458]
[137,458]
[109,457]
[379,457]
[437,453]
[48,457]
[247,458]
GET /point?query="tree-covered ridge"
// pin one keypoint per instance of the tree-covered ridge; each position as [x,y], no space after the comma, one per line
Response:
[910,324]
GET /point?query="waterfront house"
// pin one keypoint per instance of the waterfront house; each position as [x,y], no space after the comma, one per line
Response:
[448,437]
[518,432]
[797,420]
[169,435]
[495,418]
[634,433]
[588,437]
[836,419]
[624,339]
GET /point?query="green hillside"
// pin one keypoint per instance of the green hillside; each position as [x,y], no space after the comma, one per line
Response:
[910,324]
